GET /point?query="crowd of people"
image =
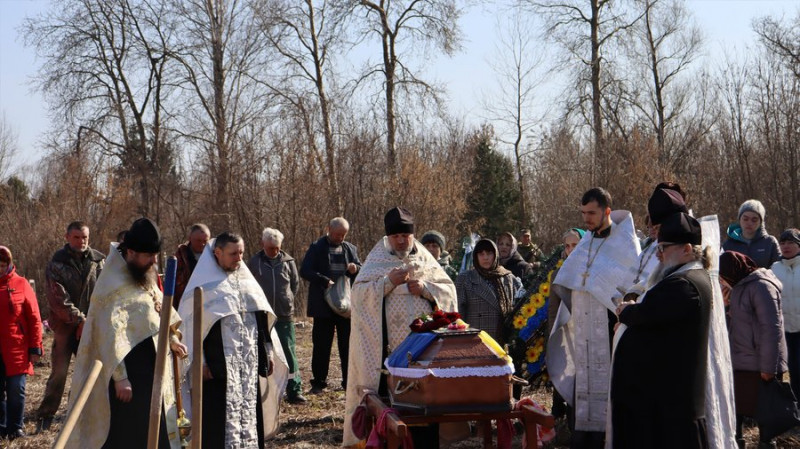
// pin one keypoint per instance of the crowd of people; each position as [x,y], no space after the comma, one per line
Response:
[654,342]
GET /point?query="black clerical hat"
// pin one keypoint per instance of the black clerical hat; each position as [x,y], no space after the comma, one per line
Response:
[663,203]
[680,228]
[398,221]
[143,237]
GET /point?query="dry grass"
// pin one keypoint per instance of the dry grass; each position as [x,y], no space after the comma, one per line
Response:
[318,424]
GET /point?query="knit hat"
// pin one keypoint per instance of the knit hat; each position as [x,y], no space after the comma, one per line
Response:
[578,231]
[434,237]
[663,203]
[790,235]
[753,206]
[680,228]
[143,237]
[5,255]
[398,221]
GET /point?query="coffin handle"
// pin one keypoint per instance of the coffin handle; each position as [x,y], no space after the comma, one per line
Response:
[400,389]
[516,380]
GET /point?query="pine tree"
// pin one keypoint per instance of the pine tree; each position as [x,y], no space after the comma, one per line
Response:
[494,196]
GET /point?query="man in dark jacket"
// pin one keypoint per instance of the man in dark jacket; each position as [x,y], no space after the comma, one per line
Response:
[659,366]
[749,235]
[69,279]
[328,259]
[276,273]
[188,254]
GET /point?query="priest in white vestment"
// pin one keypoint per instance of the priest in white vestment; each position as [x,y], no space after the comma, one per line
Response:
[244,368]
[398,281]
[579,349]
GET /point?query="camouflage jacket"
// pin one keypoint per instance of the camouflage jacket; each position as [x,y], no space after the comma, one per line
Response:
[70,281]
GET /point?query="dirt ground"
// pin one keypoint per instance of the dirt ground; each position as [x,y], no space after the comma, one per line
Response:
[316,424]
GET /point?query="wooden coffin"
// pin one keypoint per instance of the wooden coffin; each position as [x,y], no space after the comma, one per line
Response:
[457,373]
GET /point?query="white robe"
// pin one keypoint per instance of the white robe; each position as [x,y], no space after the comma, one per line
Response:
[578,354]
[231,298]
[401,307]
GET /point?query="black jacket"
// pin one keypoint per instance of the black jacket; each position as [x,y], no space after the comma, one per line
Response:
[316,269]
[661,360]
[517,265]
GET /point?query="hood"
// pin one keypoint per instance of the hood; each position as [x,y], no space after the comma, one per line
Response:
[762,274]
[284,257]
[735,232]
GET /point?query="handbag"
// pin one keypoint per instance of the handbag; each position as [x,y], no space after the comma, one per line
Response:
[338,296]
[776,411]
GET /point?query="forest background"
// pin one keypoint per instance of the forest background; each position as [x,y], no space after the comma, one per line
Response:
[240,114]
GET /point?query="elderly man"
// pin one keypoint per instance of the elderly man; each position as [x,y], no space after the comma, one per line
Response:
[658,401]
[188,253]
[276,273]
[240,405]
[398,282]
[325,262]
[70,278]
[121,331]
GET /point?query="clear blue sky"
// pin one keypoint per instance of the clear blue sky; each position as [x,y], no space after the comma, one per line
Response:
[726,24]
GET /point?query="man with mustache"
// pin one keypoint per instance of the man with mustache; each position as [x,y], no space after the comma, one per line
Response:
[121,330]
[658,401]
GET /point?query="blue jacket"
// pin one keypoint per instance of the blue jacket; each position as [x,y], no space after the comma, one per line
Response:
[763,249]
[316,269]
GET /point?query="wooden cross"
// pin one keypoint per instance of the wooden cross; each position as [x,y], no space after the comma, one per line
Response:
[585,276]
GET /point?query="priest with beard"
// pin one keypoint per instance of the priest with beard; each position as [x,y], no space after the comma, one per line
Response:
[589,283]
[244,374]
[121,330]
[658,384]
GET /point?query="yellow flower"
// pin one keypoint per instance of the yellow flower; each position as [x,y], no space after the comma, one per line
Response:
[538,300]
[539,342]
[519,322]
[559,263]
[544,288]
[528,310]
[550,276]
[531,355]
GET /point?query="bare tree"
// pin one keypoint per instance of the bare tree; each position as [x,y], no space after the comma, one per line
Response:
[667,43]
[221,52]
[585,28]
[512,103]
[403,27]
[305,36]
[8,145]
[103,70]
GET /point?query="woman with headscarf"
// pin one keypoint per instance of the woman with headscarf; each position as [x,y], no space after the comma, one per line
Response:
[20,343]
[758,346]
[510,258]
[486,292]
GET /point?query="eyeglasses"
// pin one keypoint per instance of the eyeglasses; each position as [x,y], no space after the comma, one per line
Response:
[662,246]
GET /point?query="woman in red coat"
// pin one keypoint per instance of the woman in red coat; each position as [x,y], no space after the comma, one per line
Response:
[20,343]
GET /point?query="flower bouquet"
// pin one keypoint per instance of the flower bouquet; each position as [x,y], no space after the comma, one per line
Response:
[527,322]
[436,320]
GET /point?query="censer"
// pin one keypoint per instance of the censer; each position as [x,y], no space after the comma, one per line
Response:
[184,425]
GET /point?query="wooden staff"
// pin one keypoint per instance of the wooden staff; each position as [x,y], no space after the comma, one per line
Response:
[197,370]
[77,407]
[161,354]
